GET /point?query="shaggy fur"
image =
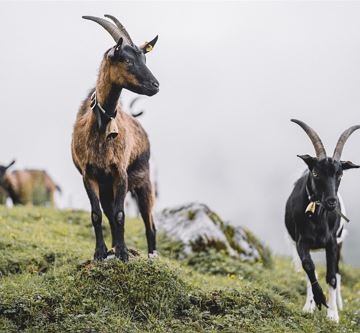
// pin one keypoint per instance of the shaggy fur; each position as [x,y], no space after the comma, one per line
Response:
[112,166]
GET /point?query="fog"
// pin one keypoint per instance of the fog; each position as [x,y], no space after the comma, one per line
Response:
[231,76]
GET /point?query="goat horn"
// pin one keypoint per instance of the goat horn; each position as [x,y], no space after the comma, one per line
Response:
[342,140]
[108,26]
[133,102]
[314,137]
[121,28]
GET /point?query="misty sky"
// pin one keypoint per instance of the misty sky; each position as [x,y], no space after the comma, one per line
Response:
[231,76]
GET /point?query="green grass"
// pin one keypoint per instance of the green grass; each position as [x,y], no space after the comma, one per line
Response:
[48,284]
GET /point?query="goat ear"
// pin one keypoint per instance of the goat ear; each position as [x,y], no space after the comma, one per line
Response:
[119,44]
[11,164]
[116,50]
[346,165]
[309,160]
[148,46]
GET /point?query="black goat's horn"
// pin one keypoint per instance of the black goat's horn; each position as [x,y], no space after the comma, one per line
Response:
[108,26]
[121,28]
[342,140]
[314,137]
[133,102]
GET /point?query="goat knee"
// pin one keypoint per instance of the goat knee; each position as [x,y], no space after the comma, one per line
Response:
[96,218]
[308,265]
[119,217]
[331,280]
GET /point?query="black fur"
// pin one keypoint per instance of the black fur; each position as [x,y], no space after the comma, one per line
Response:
[320,184]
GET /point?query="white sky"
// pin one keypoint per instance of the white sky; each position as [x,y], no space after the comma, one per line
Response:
[231,76]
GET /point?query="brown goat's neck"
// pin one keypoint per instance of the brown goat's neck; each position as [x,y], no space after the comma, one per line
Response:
[107,93]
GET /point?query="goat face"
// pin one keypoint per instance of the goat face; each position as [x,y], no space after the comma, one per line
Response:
[127,61]
[325,178]
[128,68]
[326,172]
[3,170]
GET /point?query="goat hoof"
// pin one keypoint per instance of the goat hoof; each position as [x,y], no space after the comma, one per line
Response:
[153,255]
[122,254]
[309,307]
[333,315]
[319,296]
[100,253]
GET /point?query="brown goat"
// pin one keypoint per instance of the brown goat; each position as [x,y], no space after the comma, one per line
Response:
[28,186]
[110,148]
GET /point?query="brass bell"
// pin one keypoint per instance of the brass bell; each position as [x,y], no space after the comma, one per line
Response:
[111,130]
[310,209]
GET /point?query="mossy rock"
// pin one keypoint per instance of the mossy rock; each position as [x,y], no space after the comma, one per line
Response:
[199,229]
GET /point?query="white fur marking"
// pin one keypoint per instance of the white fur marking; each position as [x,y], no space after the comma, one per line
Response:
[153,255]
[309,306]
[338,292]
[342,221]
[332,311]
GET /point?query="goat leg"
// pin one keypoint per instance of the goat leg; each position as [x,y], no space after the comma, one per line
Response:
[92,190]
[121,251]
[331,279]
[309,267]
[145,199]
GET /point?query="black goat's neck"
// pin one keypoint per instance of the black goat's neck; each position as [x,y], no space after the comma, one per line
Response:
[310,192]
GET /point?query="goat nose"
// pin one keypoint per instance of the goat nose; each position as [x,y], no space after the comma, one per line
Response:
[155,84]
[331,201]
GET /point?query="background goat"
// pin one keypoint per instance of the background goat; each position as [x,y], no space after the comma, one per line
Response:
[313,219]
[131,201]
[28,186]
[110,148]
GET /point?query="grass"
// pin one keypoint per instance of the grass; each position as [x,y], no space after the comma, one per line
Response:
[48,284]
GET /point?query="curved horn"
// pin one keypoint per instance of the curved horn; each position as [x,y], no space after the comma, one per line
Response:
[133,102]
[121,28]
[108,26]
[314,137]
[342,140]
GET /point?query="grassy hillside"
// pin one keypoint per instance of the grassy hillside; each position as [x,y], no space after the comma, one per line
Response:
[49,285]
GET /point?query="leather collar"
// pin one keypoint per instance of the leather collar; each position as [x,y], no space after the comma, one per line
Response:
[102,116]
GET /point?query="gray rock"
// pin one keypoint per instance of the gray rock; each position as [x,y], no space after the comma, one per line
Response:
[197,227]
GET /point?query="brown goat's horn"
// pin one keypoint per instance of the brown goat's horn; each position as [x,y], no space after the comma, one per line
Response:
[342,140]
[108,26]
[121,28]
[314,137]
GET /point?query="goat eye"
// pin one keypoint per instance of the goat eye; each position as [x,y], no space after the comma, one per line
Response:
[128,62]
[315,174]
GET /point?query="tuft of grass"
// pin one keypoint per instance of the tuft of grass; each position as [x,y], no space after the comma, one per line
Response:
[48,284]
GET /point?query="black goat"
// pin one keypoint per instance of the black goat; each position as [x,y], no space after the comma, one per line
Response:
[314,219]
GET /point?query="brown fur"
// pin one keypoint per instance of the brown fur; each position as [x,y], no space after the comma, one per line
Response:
[23,186]
[112,158]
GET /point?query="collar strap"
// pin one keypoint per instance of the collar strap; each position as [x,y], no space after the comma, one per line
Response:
[311,196]
[100,112]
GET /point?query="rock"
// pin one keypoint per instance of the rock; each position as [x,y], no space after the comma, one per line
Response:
[198,228]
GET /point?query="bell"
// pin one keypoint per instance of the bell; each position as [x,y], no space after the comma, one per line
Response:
[310,209]
[111,130]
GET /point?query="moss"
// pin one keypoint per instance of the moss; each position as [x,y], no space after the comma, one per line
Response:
[208,292]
